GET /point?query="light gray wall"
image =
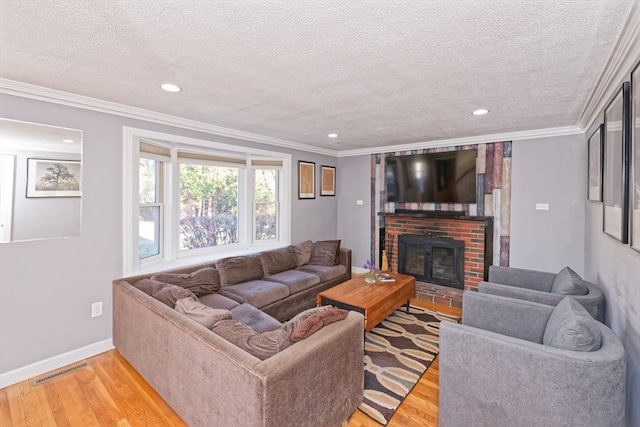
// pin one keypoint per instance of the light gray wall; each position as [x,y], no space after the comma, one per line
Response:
[548,170]
[47,287]
[354,221]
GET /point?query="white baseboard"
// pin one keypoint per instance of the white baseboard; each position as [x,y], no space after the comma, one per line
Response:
[53,363]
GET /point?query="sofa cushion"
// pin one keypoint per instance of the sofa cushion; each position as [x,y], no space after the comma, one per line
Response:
[258,293]
[201,282]
[302,252]
[337,242]
[200,313]
[149,286]
[323,253]
[262,346]
[277,260]
[170,294]
[296,280]
[219,301]
[568,282]
[294,322]
[239,269]
[315,322]
[325,273]
[256,319]
[571,327]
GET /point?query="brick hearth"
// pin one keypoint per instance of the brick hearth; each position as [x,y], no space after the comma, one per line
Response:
[476,232]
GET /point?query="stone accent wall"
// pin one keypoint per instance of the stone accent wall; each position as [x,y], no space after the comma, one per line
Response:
[493,187]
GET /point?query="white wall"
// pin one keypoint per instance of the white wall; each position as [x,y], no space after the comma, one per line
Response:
[552,171]
[47,287]
[354,221]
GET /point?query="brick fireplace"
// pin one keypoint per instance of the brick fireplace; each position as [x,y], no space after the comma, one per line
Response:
[475,233]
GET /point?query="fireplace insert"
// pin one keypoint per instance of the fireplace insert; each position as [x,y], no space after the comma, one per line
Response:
[434,260]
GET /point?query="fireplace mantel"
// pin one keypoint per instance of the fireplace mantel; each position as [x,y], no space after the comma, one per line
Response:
[435,215]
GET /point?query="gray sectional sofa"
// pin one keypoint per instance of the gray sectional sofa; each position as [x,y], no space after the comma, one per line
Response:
[210,341]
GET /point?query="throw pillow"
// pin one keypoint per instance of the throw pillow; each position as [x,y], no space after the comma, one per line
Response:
[302,252]
[199,312]
[337,242]
[149,286]
[293,323]
[262,345]
[323,253]
[201,282]
[568,282]
[277,260]
[314,323]
[571,327]
[170,294]
[239,269]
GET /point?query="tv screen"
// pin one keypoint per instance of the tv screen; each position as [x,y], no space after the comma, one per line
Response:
[446,177]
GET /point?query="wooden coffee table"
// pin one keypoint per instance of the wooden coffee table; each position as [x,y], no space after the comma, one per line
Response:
[376,302]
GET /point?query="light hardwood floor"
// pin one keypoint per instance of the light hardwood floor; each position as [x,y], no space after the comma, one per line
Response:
[109,392]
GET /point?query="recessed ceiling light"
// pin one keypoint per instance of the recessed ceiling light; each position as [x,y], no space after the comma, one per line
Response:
[480,112]
[333,135]
[69,141]
[170,87]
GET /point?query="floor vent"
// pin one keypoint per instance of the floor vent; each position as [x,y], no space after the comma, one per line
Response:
[59,374]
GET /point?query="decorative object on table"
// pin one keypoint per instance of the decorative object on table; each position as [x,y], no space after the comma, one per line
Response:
[635,156]
[596,142]
[396,354]
[385,277]
[328,182]
[384,264]
[615,182]
[53,178]
[371,272]
[306,180]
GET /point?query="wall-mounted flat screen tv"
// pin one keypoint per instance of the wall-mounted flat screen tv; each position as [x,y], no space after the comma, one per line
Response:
[446,177]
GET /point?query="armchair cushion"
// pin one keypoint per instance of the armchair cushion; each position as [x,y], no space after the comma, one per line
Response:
[571,327]
[568,282]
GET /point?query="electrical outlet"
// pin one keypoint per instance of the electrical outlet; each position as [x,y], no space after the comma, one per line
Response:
[542,206]
[96,309]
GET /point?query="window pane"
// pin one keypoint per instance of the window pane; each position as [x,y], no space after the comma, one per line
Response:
[147,180]
[266,185]
[149,227]
[208,206]
[266,221]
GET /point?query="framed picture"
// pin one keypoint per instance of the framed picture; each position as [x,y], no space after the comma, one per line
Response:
[328,184]
[53,178]
[635,159]
[596,143]
[615,182]
[306,180]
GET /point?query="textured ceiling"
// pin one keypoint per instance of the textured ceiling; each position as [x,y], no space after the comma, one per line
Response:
[378,73]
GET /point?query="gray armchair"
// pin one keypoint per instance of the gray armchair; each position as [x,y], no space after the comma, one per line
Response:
[538,286]
[508,364]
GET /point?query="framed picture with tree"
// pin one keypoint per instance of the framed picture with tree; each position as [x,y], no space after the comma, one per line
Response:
[53,178]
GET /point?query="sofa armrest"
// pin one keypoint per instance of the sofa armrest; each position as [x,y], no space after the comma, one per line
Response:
[507,381]
[507,316]
[523,278]
[318,381]
[345,259]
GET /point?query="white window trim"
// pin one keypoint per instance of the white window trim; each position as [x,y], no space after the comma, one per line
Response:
[172,258]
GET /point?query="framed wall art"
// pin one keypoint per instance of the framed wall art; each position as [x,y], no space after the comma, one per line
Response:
[328,182]
[53,178]
[615,184]
[596,143]
[635,159]
[306,180]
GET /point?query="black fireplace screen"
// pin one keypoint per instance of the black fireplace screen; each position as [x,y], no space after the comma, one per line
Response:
[433,260]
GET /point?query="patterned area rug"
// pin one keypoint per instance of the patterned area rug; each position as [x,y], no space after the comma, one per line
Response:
[396,354]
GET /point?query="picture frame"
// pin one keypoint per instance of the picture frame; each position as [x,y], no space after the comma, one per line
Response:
[615,179]
[596,161]
[54,178]
[634,237]
[328,181]
[306,180]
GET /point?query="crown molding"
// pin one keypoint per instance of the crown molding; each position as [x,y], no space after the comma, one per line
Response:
[624,56]
[26,90]
[508,136]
